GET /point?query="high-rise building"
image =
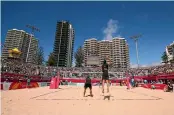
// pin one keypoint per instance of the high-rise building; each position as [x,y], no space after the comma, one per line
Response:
[64,44]
[116,50]
[32,50]
[170,52]
[14,39]
[105,50]
[90,49]
[120,53]
[25,47]
[21,40]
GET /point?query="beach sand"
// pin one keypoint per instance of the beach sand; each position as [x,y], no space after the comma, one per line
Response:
[69,100]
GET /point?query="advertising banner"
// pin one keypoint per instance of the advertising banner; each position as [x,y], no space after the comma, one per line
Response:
[6,85]
[73,84]
[22,85]
[157,86]
[42,84]
[80,84]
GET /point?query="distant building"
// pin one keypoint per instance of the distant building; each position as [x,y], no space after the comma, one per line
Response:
[14,39]
[20,39]
[170,52]
[90,50]
[117,50]
[105,50]
[64,44]
[32,51]
[120,55]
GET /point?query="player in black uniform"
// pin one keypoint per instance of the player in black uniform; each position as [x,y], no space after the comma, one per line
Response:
[88,84]
[105,76]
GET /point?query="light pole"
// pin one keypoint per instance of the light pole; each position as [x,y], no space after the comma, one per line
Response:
[33,29]
[135,38]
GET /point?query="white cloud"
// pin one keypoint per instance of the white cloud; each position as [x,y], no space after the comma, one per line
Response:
[156,63]
[145,65]
[133,65]
[112,28]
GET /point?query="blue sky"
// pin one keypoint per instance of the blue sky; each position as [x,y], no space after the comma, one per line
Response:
[155,20]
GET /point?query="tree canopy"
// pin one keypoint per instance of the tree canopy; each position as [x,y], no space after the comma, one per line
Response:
[78,55]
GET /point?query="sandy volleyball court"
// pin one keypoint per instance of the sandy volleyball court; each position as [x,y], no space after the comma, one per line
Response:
[69,100]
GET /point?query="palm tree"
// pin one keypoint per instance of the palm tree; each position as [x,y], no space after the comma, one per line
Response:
[164,57]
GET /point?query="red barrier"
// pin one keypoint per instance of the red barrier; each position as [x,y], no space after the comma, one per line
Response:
[157,86]
[58,80]
[1,86]
[53,83]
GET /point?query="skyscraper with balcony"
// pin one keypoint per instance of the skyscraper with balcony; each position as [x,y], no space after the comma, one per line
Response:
[120,53]
[105,50]
[116,49]
[30,48]
[90,49]
[64,44]
[170,52]
[14,39]
[20,39]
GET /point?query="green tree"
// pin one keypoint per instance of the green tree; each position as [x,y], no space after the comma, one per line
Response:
[78,55]
[164,57]
[51,60]
[40,56]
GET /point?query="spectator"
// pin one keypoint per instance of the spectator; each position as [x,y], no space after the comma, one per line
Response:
[46,72]
[170,87]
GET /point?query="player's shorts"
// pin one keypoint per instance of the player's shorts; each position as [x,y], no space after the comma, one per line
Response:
[88,86]
[105,76]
